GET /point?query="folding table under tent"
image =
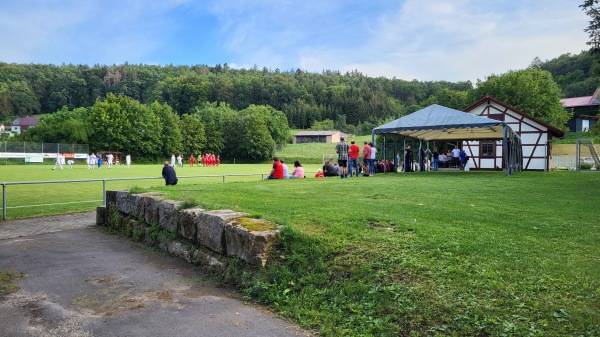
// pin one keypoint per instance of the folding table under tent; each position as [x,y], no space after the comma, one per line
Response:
[437,122]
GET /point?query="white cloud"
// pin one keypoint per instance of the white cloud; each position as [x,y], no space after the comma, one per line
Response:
[464,41]
[412,39]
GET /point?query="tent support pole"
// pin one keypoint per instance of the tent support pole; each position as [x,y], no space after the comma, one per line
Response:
[505,150]
[404,154]
[384,154]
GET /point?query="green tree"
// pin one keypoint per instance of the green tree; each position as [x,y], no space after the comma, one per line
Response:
[122,123]
[276,121]
[194,138]
[326,124]
[257,144]
[531,90]
[170,136]
[591,8]
[63,126]
[17,98]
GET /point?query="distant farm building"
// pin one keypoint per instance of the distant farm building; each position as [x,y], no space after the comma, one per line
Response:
[326,136]
[584,109]
[23,123]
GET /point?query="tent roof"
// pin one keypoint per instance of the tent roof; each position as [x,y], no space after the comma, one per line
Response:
[436,122]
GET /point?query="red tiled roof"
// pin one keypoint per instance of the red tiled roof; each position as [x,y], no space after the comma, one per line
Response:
[573,102]
[26,121]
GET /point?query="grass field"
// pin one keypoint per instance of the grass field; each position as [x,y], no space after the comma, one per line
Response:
[419,254]
[448,254]
[53,198]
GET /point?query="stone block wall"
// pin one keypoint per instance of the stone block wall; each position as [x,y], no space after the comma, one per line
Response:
[195,235]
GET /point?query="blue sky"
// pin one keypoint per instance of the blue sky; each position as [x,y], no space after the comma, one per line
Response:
[452,40]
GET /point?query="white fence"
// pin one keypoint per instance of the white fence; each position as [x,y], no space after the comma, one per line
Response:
[564,162]
[5,189]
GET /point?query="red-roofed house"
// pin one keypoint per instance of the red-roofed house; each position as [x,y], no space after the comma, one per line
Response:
[23,123]
[584,109]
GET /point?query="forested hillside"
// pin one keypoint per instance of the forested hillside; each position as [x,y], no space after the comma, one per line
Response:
[577,75]
[303,97]
[217,100]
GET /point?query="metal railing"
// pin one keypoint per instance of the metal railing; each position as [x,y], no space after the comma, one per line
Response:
[6,184]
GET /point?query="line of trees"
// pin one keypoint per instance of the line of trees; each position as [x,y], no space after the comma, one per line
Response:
[153,131]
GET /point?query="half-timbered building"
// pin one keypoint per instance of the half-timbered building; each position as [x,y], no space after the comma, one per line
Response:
[536,137]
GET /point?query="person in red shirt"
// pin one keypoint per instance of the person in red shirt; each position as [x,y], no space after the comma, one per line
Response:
[366,157]
[277,171]
[319,174]
[218,160]
[353,158]
[191,160]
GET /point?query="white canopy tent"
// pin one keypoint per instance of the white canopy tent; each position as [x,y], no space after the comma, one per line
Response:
[441,123]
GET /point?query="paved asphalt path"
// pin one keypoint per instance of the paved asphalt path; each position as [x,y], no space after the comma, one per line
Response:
[81,281]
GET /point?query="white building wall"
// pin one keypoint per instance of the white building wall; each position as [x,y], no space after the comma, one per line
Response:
[534,137]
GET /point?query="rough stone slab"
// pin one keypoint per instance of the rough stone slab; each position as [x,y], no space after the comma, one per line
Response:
[180,250]
[168,213]
[123,202]
[252,247]
[111,197]
[187,223]
[101,215]
[136,204]
[201,258]
[151,209]
[211,228]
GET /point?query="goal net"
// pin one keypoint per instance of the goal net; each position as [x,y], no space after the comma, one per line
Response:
[586,156]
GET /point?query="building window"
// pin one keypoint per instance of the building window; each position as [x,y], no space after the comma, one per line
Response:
[488,149]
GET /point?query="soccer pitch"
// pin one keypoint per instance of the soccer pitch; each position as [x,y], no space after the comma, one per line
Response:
[61,197]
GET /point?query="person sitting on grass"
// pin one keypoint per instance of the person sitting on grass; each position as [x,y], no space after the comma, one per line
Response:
[277,171]
[298,171]
[329,170]
[319,174]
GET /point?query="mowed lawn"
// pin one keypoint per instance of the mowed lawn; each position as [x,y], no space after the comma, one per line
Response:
[446,253]
[418,254]
[57,198]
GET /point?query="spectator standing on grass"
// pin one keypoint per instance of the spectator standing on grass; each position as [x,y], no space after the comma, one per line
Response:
[455,156]
[366,157]
[463,159]
[342,150]
[436,158]
[168,172]
[128,160]
[372,160]
[298,171]
[277,171]
[408,159]
[353,158]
